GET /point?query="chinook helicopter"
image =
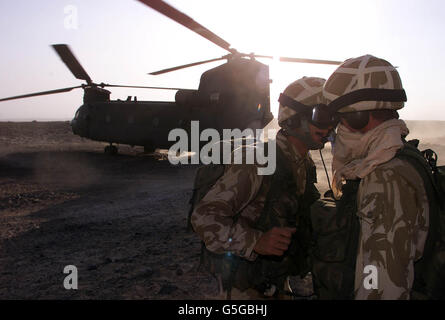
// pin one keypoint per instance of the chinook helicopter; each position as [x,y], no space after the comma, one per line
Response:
[233,95]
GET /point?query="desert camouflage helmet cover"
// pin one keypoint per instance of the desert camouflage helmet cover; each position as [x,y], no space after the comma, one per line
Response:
[361,73]
[307,90]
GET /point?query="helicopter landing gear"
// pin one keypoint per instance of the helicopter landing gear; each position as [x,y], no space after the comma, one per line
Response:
[111,150]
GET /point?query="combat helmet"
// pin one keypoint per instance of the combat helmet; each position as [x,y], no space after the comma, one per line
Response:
[300,106]
[362,84]
[307,91]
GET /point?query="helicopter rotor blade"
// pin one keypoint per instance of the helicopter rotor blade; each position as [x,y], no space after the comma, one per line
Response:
[206,61]
[42,93]
[301,60]
[71,62]
[185,66]
[137,87]
[186,21]
[260,56]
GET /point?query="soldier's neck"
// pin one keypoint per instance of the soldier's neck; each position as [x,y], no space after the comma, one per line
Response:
[299,145]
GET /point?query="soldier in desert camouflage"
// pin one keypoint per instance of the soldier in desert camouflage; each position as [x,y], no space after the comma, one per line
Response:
[263,221]
[385,192]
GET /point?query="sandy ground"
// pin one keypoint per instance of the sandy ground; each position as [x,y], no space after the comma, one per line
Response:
[121,220]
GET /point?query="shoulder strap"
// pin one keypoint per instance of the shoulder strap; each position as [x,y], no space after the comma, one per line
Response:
[276,181]
[414,156]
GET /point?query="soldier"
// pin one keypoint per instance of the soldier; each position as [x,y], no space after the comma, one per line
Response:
[383,190]
[256,229]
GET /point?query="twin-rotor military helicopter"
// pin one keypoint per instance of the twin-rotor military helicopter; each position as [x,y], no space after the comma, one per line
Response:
[233,95]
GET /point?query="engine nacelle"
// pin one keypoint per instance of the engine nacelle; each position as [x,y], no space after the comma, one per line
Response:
[188,98]
[95,94]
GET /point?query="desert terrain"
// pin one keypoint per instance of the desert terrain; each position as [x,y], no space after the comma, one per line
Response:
[121,220]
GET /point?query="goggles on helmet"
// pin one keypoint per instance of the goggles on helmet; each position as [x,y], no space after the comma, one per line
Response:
[356,120]
[368,94]
[359,119]
[324,116]
[319,115]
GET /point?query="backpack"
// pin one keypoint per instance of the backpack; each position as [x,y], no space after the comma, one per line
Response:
[429,271]
[205,177]
[236,271]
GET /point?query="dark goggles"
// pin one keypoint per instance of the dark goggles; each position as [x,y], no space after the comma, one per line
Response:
[359,119]
[356,120]
[324,116]
[320,114]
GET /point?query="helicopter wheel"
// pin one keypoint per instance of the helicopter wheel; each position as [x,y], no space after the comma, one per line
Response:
[111,150]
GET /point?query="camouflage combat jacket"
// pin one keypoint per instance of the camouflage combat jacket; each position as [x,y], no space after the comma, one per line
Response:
[393,211]
[217,218]
[379,226]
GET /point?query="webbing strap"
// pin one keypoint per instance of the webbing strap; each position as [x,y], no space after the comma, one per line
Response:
[368,94]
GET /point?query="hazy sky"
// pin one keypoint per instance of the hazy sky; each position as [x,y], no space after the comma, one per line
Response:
[120,41]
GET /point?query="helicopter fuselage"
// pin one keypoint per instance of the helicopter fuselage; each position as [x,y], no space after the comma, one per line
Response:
[136,123]
[232,95]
